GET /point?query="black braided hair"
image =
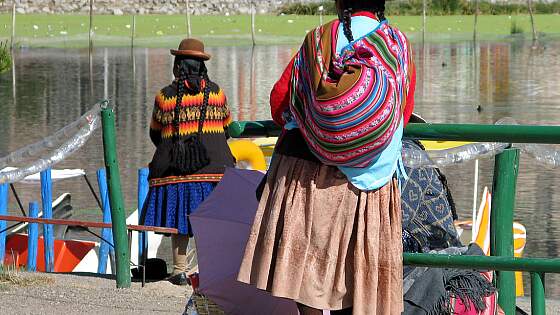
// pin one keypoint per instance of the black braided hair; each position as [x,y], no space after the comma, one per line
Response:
[190,75]
[181,79]
[347,24]
[204,75]
[346,7]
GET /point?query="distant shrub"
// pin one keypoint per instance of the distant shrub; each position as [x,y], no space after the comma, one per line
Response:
[309,8]
[515,28]
[433,7]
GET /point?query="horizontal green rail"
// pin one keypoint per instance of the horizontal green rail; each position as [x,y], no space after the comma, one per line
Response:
[449,132]
[541,265]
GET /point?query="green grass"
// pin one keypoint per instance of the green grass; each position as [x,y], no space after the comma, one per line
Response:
[165,30]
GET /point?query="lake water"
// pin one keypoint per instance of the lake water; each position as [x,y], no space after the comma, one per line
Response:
[49,88]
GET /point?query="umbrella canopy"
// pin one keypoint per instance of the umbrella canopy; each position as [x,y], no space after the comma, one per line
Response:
[222,224]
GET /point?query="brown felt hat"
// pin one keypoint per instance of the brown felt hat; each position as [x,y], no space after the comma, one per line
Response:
[190,47]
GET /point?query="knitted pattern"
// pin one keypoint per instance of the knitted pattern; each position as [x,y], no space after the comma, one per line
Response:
[217,113]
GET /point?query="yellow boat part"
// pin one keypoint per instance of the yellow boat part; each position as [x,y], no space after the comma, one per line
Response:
[249,152]
[481,229]
[267,144]
[442,145]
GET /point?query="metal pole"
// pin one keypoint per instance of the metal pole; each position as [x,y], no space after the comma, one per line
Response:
[548,265]
[107,237]
[423,20]
[32,237]
[506,168]
[189,30]
[475,196]
[530,4]
[475,19]
[133,31]
[122,253]
[48,233]
[12,40]
[3,211]
[537,294]
[253,22]
[142,194]
[91,47]
[90,26]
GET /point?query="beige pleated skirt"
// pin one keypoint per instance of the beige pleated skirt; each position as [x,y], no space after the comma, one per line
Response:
[320,241]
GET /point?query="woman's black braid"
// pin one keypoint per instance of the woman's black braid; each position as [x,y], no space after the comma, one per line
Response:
[380,12]
[347,24]
[206,95]
[183,72]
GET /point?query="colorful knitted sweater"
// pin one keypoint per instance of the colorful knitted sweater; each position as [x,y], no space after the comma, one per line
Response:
[214,133]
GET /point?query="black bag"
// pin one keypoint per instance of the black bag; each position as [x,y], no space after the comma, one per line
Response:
[188,154]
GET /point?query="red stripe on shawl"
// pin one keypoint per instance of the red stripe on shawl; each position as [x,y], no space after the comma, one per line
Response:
[366,94]
[361,126]
[382,144]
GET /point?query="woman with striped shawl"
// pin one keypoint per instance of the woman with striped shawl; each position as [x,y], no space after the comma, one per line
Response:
[327,232]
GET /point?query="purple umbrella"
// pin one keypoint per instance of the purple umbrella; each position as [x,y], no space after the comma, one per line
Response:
[222,224]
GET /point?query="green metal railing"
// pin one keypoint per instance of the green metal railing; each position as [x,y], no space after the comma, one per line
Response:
[503,203]
[122,253]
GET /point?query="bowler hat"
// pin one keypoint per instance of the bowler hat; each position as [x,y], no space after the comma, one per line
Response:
[190,47]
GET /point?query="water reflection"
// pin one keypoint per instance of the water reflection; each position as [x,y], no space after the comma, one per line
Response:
[48,89]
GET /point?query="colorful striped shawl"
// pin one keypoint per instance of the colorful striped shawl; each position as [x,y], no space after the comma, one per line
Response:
[348,106]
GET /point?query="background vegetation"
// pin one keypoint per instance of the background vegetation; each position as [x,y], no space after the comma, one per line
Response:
[434,7]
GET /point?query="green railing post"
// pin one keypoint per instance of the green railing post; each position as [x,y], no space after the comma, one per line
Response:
[537,294]
[120,238]
[506,169]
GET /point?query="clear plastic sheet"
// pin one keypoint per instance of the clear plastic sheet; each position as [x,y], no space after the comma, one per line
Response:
[544,154]
[66,141]
[415,158]
[53,141]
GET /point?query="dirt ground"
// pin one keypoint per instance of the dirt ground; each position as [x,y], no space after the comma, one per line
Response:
[89,294]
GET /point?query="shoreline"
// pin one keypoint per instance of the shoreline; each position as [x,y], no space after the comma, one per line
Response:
[72,30]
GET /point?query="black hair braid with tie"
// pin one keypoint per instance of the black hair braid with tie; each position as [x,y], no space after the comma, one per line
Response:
[183,74]
[206,98]
[347,24]
[191,75]
[188,157]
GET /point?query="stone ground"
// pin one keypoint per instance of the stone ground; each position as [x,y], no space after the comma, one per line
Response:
[89,294]
[552,306]
[93,294]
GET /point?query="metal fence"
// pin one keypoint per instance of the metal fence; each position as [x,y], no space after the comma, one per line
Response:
[503,203]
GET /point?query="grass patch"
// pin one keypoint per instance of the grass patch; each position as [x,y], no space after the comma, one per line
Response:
[5,57]
[10,275]
[41,30]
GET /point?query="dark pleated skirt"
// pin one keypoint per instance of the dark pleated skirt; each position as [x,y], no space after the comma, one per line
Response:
[170,205]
